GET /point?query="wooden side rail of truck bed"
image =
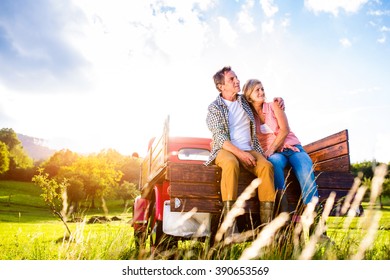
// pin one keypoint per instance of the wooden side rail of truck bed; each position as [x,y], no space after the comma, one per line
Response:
[197,186]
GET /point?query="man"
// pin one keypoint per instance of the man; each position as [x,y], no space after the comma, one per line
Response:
[234,143]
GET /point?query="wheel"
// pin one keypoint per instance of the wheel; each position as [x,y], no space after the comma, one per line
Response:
[154,229]
[215,224]
[139,236]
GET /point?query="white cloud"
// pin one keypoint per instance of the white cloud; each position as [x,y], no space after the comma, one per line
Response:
[345,43]
[385,29]
[379,12]
[168,28]
[269,8]
[268,26]
[226,32]
[136,51]
[245,20]
[334,6]
[176,37]
[382,39]
[35,49]
[286,22]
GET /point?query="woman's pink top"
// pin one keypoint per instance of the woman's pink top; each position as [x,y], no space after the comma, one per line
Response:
[268,131]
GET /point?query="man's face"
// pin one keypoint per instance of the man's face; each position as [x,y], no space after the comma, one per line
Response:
[232,84]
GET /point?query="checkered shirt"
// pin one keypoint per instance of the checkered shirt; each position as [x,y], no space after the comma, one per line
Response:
[218,123]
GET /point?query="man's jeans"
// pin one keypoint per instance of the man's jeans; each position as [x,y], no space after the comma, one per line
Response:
[231,170]
[302,167]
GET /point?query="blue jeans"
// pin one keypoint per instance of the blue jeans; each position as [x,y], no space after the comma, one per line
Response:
[302,167]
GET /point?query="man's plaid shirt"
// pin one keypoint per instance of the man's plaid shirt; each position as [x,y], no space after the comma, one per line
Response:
[218,123]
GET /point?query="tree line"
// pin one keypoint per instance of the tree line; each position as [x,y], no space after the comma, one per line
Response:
[103,175]
[87,178]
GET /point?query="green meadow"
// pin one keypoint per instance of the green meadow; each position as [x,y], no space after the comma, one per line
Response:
[29,231]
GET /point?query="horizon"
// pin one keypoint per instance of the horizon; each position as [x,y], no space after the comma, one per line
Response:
[140,155]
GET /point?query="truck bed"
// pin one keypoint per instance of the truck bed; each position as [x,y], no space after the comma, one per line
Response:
[197,186]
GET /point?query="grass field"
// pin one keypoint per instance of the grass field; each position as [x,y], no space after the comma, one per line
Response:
[29,231]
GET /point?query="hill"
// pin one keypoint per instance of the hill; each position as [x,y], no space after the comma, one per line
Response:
[35,147]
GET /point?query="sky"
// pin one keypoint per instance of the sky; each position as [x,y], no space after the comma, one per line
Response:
[88,75]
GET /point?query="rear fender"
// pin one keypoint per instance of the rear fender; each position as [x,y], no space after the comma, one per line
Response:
[140,219]
[159,202]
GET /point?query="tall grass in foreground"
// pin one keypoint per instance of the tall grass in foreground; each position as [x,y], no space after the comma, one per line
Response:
[349,237]
[306,239]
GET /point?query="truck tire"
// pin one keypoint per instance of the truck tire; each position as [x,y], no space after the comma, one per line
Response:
[154,229]
[139,237]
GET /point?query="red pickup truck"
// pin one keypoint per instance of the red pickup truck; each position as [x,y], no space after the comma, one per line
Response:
[180,196]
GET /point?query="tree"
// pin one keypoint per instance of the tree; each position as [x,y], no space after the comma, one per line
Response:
[98,176]
[60,159]
[94,176]
[18,158]
[9,137]
[131,169]
[365,171]
[75,193]
[127,191]
[53,193]
[129,166]
[4,158]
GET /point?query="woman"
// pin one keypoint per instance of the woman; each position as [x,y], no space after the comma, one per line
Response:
[281,146]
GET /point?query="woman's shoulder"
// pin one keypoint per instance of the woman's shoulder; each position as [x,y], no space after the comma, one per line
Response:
[274,106]
[269,106]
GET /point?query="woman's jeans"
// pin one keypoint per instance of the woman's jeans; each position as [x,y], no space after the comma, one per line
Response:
[302,167]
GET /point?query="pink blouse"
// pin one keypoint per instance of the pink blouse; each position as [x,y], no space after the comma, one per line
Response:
[268,131]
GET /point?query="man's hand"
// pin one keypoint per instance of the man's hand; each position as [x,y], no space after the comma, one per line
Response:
[247,160]
[280,102]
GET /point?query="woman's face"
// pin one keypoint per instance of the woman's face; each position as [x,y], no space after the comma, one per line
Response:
[258,94]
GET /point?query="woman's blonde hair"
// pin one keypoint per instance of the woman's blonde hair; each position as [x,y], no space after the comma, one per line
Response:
[248,88]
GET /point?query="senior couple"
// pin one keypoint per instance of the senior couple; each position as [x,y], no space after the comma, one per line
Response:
[250,132]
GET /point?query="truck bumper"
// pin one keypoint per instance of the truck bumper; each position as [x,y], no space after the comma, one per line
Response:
[185,224]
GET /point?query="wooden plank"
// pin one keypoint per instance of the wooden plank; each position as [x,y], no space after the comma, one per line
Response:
[157,157]
[144,172]
[336,164]
[194,190]
[195,185]
[245,177]
[329,180]
[339,182]
[206,198]
[336,180]
[184,172]
[338,150]
[331,140]
[205,204]
[147,187]
[201,204]
[153,165]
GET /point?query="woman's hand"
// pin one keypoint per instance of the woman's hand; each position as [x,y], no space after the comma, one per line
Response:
[268,153]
